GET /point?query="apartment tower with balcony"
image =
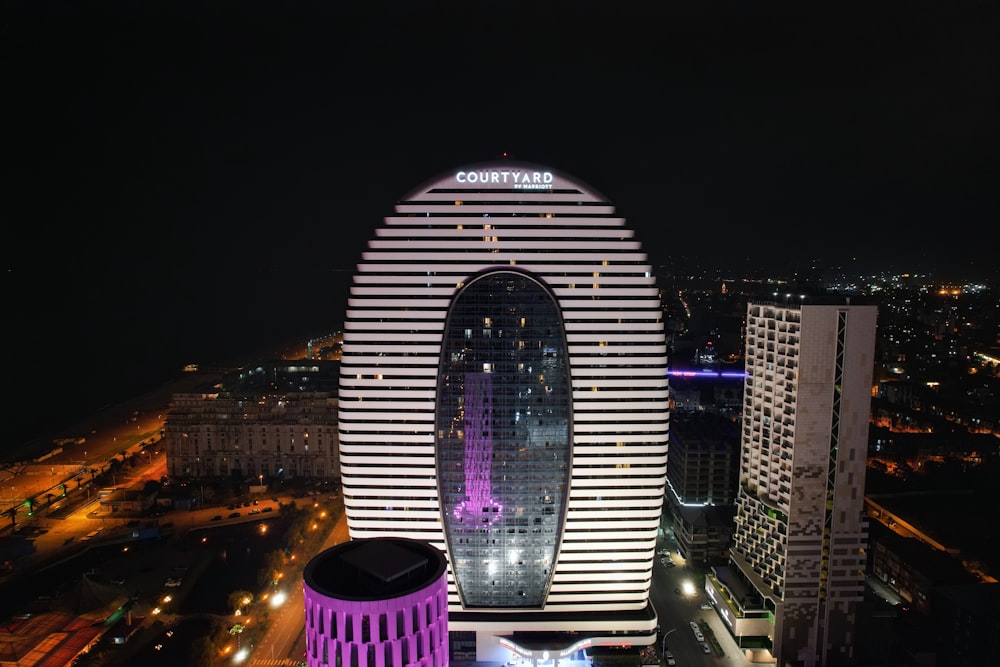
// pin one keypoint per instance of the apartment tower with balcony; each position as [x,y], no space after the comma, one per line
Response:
[800,537]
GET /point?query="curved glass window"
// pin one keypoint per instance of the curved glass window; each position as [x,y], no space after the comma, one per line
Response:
[503,439]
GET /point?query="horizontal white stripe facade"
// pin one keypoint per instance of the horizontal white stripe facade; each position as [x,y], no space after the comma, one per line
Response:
[569,239]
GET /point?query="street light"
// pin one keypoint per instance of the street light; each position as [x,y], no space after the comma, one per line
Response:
[663,644]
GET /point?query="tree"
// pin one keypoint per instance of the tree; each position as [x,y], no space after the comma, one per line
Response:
[201,652]
[273,562]
[239,600]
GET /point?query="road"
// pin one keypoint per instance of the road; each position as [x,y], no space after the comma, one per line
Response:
[675,611]
[285,635]
[132,427]
[146,570]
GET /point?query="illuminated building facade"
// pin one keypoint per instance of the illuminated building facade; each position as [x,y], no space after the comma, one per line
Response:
[702,478]
[800,536]
[377,603]
[503,396]
[269,421]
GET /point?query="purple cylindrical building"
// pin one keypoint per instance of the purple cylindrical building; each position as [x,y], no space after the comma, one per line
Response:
[380,602]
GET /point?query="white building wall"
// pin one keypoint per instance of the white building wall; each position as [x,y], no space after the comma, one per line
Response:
[568,237]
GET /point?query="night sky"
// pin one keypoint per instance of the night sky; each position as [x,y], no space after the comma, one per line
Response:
[187,181]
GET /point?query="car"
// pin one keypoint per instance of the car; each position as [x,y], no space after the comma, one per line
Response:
[234,515]
[255,510]
[694,626]
[217,517]
[267,509]
[118,581]
[705,607]
[705,648]
[173,582]
[700,637]
[670,658]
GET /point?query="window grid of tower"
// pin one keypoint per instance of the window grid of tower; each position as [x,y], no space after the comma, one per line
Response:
[503,439]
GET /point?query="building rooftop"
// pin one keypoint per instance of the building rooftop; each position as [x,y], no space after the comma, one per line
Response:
[370,569]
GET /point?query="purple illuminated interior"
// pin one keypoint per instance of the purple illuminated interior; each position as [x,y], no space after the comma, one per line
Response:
[479,505]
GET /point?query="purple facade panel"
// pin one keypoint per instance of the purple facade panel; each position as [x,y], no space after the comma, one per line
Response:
[425,624]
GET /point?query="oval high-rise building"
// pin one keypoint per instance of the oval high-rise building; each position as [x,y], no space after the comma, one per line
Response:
[503,397]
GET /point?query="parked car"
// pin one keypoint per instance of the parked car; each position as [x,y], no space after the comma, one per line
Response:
[234,515]
[705,648]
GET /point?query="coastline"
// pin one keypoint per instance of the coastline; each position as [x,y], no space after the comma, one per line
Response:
[156,401]
[99,424]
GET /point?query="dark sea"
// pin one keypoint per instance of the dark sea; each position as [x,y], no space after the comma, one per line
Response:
[95,348]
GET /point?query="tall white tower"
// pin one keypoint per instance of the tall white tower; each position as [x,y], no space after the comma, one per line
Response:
[503,396]
[800,534]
